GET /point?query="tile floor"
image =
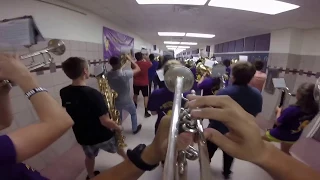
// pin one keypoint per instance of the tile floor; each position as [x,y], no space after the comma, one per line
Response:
[241,170]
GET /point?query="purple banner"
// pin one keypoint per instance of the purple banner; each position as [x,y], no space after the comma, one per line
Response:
[115,43]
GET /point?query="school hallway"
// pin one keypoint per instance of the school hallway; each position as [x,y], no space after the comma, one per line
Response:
[241,170]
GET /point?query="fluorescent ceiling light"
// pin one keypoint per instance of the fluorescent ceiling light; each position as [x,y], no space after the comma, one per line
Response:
[171,33]
[171,46]
[183,2]
[260,6]
[171,42]
[183,47]
[189,43]
[199,35]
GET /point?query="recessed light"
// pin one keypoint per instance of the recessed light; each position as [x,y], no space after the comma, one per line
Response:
[183,2]
[189,43]
[199,35]
[271,7]
[171,33]
[171,42]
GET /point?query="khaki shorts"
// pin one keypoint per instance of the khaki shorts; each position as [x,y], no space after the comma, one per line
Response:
[93,150]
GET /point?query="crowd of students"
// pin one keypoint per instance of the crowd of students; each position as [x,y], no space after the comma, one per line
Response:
[232,124]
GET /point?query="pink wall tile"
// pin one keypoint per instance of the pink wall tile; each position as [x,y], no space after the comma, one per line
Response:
[59,78]
[74,45]
[82,46]
[16,91]
[66,55]
[63,144]
[19,104]
[67,166]
[45,80]
[36,162]
[24,118]
[12,127]
[48,155]
[307,150]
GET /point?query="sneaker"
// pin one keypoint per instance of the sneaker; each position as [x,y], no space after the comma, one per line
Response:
[226,175]
[146,114]
[138,129]
[96,173]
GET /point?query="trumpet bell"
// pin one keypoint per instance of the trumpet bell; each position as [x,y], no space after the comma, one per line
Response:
[56,46]
[179,71]
[123,59]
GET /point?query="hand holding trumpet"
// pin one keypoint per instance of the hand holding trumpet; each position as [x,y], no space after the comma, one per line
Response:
[13,69]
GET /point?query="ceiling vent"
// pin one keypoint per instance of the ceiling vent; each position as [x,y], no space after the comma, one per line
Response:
[186,9]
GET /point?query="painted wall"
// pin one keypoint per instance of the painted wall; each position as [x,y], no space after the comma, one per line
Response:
[296,52]
[56,22]
[83,38]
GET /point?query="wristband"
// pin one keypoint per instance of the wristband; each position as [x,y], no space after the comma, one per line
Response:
[34,91]
[135,157]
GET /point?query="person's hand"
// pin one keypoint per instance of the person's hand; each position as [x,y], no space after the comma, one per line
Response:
[278,110]
[114,126]
[204,75]
[12,68]
[156,151]
[4,87]
[128,57]
[243,140]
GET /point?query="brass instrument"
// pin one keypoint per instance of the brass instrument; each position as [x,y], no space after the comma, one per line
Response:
[55,46]
[123,59]
[178,80]
[219,71]
[201,69]
[233,61]
[110,96]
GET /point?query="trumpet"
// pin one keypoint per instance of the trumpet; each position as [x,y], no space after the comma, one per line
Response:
[178,80]
[55,46]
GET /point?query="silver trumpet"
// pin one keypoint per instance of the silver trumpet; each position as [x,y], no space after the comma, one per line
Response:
[55,46]
[178,80]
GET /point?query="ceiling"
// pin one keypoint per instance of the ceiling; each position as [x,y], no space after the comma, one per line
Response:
[226,24]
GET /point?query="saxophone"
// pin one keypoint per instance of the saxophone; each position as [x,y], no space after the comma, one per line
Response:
[110,96]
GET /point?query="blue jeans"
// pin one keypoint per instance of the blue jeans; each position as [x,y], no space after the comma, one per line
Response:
[131,109]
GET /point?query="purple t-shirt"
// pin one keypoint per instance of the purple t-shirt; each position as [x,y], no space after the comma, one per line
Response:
[195,84]
[161,101]
[9,169]
[228,72]
[209,86]
[292,121]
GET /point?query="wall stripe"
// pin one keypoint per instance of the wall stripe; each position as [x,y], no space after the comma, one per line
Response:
[296,71]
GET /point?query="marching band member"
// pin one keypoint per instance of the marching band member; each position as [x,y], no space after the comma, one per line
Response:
[141,81]
[208,85]
[292,120]
[248,98]
[93,128]
[152,73]
[119,81]
[161,100]
[163,61]
[195,85]
[227,63]
[259,77]
[24,143]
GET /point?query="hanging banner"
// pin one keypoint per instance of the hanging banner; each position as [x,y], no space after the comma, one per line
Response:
[114,42]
